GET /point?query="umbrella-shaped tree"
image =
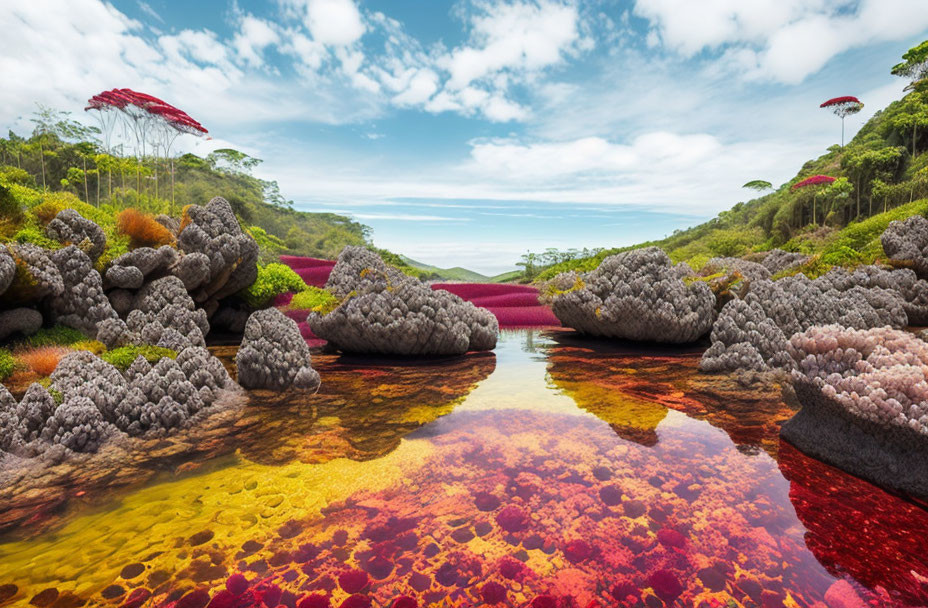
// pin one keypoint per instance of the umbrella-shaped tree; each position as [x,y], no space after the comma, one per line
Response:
[758,184]
[815,180]
[843,107]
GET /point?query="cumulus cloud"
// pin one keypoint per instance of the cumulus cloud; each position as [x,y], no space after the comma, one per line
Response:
[782,40]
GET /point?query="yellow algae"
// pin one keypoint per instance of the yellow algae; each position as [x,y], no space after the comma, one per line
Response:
[93,548]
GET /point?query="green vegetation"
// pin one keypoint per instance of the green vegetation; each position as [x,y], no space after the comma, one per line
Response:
[314,299]
[881,175]
[447,274]
[7,364]
[59,335]
[124,356]
[273,280]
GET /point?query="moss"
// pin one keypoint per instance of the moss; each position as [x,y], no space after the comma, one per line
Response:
[122,357]
[314,299]
[59,335]
[7,364]
[94,346]
[273,280]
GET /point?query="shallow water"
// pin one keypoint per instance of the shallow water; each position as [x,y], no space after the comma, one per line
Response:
[556,473]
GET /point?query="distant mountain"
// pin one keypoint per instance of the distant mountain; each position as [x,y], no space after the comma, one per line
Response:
[506,277]
[449,274]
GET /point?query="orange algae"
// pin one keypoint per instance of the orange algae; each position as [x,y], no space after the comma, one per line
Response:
[500,503]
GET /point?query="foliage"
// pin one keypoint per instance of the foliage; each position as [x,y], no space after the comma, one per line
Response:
[58,335]
[142,229]
[914,64]
[94,346]
[7,364]
[758,184]
[121,358]
[273,279]
[10,208]
[315,299]
[14,175]
[42,360]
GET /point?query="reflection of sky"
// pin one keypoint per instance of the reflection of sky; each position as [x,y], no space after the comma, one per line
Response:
[490,236]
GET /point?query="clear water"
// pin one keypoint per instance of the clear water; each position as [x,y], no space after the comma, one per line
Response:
[555,473]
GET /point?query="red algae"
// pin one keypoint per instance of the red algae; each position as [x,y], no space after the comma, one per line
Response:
[352,581]
[512,519]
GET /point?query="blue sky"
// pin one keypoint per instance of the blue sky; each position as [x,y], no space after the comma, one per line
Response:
[467,132]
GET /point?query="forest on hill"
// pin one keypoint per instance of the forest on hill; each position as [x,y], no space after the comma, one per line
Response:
[834,208]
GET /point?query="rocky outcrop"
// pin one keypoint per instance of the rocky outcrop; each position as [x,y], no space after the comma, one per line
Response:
[82,303]
[748,270]
[130,270]
[7,270]
[778,260]
[386,312]
[24,321]
[754,330]
[214,231]
[864,397]
[907,242]
[274,355]
[71,228]
[43,276]
[638,295]
[163,314]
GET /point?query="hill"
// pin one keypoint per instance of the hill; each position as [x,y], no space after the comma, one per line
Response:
[447,274]
[879,175]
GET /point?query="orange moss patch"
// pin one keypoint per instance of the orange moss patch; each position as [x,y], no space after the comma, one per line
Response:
[142,229]
[42,360]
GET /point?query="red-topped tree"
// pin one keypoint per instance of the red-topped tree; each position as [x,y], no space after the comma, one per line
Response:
[815,180]
[148,117]
[843,107]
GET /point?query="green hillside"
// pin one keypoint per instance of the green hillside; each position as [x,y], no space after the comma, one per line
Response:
[880,175]
[447,274]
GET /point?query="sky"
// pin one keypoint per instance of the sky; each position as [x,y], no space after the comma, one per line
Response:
[468,132]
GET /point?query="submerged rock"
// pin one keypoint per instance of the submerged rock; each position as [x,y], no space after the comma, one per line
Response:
[274,355]
[638,295]
[864,397]
[387,312]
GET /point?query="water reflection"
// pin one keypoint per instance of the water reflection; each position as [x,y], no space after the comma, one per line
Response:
[558,475]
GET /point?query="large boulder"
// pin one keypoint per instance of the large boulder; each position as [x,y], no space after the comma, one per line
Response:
[744,336]
[162,314]
[386,312]
[778,260]
[41,277]
[214,231]
[274,355]
[864,397]
[7,270]
[907,242]
[132,269]
[638,295]
[727,265]
[24,321]
[82,304]
[71,228]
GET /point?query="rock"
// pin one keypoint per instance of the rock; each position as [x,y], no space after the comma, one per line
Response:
[33,411]
[25,321]
[82,304]
[83,374]
[130,270]
[193,270]
[386,312]
[214,231]
[864,396]
[778,260]
[70,228]
[43,274]
[907,241]
[10,430]
[749,270]
[77,425]
[7,270]
[638,295]
[273,354]
[164,315]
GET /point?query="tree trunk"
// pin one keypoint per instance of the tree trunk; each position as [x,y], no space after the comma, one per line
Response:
[86,193]
[42,158]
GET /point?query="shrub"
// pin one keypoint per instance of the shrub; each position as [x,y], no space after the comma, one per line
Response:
[10,207]
[273,280]
[59,335]
[314,299]
[51,204]
[124,356]
[7,364]
[15,175]
[31,233]
[42,360]
[142,229]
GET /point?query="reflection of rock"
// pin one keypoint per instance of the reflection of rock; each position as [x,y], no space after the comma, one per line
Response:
[858,530]
[631,388]
[362,412]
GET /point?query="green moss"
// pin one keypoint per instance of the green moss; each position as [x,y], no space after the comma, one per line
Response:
[124,356]
[273,280]
[314,299]
[7,364]
[59,335]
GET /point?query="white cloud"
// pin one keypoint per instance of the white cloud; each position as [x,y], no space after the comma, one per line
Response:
[782,40]
[330,22]
[253,37]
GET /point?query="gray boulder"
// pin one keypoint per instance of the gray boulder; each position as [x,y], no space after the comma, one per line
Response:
[82,303]
[25,321]
[71,228]
[907,241]
[274,355]
[130,270]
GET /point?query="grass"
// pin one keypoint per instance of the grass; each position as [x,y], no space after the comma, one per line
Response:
[314,299]
[124,356]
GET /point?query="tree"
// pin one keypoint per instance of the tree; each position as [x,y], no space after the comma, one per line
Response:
[913,116]
[228,160]
[815,180]
[865,166]
[914,65]
[758,185]
[843,107]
